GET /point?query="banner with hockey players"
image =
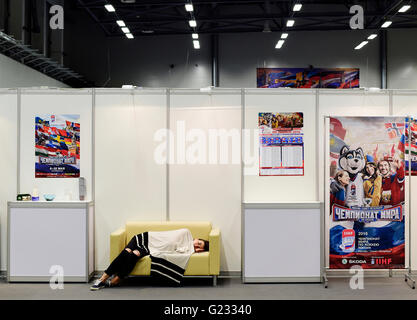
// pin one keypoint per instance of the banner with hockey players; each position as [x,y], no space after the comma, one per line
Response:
[367,192]
[57,146]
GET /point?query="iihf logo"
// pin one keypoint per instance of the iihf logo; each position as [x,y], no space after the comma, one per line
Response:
[348,240]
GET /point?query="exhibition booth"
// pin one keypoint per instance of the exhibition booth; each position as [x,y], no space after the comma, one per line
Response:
[201,155]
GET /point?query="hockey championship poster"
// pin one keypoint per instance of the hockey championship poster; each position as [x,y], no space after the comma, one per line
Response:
[57,146]
[367,189]
[281,145]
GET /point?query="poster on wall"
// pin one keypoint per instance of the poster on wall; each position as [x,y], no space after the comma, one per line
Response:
[367,189]
[57,146]
[336,78]
[410,146]
[281,145]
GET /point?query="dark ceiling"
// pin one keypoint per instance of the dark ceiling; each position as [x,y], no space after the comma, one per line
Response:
[161,17]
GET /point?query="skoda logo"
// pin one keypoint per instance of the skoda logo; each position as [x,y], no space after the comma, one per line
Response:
[344,261]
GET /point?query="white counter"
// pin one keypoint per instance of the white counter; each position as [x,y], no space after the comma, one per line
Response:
[45,236]
[282,242]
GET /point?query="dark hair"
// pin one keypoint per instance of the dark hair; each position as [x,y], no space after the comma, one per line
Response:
[206,244]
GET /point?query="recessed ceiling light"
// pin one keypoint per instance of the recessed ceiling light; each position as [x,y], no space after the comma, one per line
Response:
[361,45]
[189,7]
[196,44]
[121,23]
[386,24]
[404,8]
[372,36]
[109,8]
[290,23]
[297,7]
[195,35]
[129,35]
[193,23]
[284,36]
[279,45]
[126,30]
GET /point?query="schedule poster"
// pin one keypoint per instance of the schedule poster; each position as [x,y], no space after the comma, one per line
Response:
[57,146]
[281,151]
[367,176]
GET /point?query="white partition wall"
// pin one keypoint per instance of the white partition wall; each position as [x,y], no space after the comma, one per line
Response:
[126,136]
[205,178]
[282,188]
[35,102]
[129,183]
[8,162]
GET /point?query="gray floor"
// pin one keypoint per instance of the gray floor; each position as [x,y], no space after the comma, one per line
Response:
[227,289]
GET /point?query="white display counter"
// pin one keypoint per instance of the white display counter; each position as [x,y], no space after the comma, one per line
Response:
[44,237]
[282,242]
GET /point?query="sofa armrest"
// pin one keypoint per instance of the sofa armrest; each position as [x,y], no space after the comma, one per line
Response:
[214,251]
[117,242]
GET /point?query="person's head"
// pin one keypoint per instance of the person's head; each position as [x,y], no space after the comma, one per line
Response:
[370,169]
[384,167]
[200,245]
[342,177]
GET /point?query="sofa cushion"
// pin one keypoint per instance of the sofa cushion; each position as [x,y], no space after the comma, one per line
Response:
[198,229]
[198,265]
[142,268]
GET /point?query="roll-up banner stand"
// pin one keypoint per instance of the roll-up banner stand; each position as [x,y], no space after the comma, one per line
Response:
[366,214]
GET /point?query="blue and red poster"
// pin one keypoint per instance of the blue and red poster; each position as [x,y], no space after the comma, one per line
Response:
[336,78]
[57,146]
[367,192]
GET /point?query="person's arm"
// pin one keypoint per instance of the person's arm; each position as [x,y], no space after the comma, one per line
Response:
[376,197]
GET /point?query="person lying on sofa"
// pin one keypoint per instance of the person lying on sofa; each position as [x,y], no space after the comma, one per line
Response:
[169,250]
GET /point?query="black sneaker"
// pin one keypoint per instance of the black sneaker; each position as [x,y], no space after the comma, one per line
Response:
[98,285]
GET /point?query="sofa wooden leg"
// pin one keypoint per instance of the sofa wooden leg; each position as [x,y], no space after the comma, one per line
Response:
[214,281]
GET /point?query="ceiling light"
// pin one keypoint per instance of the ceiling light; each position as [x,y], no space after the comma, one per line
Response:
[126,30]
[284,36]
[189,7]
[386,24]
[404,8]
[109,8]
[193,23]
[196,44]
[297,7]
[129,35]
[279,45]
[195,35]
[361,45]
[372,36]
[290,23]
[121,23]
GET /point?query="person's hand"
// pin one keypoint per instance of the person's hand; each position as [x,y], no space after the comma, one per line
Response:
[396,163]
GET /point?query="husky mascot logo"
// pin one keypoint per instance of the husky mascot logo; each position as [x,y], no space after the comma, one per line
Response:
[353,161]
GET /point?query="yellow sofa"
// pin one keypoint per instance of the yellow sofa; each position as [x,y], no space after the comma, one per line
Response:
[200,264]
